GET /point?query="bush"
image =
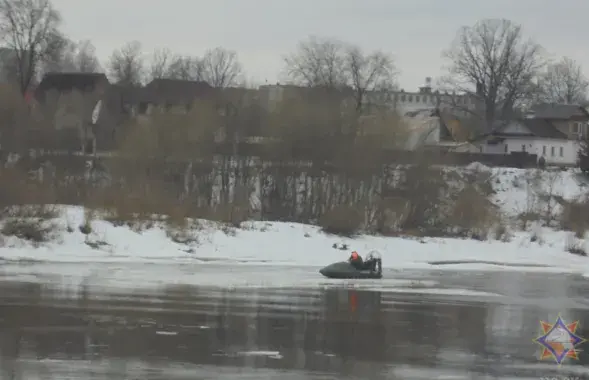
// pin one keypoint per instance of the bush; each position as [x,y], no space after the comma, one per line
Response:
[342,220]
[34,230]
[574,246]
[575,217]
[230,214]
[473,214]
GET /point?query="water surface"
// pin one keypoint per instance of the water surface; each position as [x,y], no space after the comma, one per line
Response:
[465,325]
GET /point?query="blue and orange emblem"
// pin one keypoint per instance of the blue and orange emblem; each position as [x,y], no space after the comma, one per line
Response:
[559,340]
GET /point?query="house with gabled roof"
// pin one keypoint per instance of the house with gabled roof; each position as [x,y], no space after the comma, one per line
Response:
[85,111]
[570,119]
[534,136]
[175,95]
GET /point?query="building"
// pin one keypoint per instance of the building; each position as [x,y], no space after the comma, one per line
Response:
[570,119]
[534,136]
[85,111]
[551,131]
[460,105]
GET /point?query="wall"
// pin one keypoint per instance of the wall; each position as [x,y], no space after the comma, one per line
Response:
[557,152]
[413,101]
[564,152]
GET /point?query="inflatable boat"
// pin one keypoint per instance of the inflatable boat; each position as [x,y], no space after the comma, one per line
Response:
[345,270]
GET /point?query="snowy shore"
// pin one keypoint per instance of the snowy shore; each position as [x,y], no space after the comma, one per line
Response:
[275,243]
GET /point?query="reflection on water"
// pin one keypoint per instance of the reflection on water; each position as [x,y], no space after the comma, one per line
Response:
[211,333]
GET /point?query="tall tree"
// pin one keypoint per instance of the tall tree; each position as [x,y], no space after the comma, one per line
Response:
[494,62]
[332,64]
[164,64]
[160,63]
[126,65]
[318,62]
[30,30]
[564,82]
[69,56]
[84,57]
[374,73]
[186,68]
[221,67]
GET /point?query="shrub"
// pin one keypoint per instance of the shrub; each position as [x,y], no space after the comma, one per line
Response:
[232,215]
[575,217]
[473,214]
[342,220]
[34,230]
[574,246]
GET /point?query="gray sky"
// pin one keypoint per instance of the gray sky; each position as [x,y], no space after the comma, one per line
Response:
[263,31]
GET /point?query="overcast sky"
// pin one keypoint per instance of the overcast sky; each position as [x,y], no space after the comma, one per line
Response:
[263,31]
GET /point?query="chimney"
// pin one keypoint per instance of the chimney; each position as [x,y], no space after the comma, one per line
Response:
[427,88]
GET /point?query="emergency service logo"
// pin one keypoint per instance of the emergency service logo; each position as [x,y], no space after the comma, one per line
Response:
[559,340]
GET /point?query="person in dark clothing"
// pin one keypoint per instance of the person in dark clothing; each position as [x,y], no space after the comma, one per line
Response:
[356,260]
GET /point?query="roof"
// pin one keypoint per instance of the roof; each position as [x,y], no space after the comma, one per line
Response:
[174,91]
[66,82]
[537,127]
[555,111]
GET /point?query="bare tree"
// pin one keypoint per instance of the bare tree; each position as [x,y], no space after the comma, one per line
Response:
[30,30]
[56,51]
[186,68]
[160,63]
[318,62]
[221,67]
[126,65]
[492,61]
[69,56]
[84,57]
[564,82]
[332,64]
[374,73]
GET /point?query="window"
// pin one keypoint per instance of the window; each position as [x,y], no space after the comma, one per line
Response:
[143,108]
[410,98]
[552,151]
[402,98]
[506,148]
[544,150]
[523,147]
[417,99]
[561,151]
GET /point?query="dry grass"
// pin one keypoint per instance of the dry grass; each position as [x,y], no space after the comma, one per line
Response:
[342,220]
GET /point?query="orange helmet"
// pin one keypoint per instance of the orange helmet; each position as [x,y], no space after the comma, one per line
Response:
[354,254]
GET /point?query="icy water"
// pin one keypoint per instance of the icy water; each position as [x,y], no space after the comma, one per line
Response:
[426,325]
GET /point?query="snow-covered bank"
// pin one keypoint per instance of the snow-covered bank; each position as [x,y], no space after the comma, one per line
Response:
[283,244]
[274,243]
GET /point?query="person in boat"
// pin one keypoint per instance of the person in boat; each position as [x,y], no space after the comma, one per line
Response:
[356,260]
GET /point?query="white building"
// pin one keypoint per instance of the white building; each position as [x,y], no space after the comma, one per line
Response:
[403,101]
[534,136]
[427,98]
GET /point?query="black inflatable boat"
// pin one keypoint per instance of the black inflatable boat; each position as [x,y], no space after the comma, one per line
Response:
[345,270]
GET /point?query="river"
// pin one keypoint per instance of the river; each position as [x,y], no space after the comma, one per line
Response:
[427,324]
